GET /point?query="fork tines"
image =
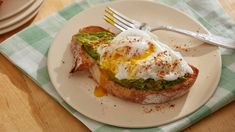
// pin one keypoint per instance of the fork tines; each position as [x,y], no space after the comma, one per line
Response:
[118,20]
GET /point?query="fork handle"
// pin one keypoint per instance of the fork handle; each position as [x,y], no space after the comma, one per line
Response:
[209,38]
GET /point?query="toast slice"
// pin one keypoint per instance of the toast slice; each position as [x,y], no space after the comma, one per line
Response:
[145,96]
[82,61]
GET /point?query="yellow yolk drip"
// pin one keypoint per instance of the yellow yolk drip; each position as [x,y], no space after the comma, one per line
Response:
[99,90]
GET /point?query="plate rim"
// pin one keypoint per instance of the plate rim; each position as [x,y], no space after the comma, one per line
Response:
[26,5]
[153,2]
[21,15]
[15,26]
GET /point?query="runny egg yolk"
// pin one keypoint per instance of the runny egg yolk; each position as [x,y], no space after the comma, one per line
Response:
[147,52]
[111,61]
[136,54]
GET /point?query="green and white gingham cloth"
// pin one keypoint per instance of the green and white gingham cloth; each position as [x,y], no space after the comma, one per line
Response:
[28,51]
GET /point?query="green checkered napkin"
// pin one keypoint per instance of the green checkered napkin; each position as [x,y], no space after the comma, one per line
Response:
[28,51]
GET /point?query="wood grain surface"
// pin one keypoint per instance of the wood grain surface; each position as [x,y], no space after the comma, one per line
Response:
[25,107]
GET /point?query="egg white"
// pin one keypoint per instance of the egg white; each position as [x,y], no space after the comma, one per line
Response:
[148,67]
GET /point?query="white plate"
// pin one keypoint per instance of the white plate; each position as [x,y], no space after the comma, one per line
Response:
[12,7]
[77,90]
[21,15]
[20,23]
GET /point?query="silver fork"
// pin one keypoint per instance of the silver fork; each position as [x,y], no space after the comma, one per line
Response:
[122,22]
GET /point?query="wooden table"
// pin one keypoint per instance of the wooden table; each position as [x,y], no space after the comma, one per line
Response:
[26,107]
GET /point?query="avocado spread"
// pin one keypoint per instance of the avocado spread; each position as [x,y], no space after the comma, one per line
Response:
[149,84]
[91,41]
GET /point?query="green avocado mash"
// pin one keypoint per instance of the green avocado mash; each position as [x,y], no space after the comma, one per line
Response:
[91,41]
[149,84]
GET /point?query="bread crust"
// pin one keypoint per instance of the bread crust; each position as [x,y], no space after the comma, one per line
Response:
[82,61]
[146,96]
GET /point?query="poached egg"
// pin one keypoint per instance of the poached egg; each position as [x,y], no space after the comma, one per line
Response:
[137,54]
